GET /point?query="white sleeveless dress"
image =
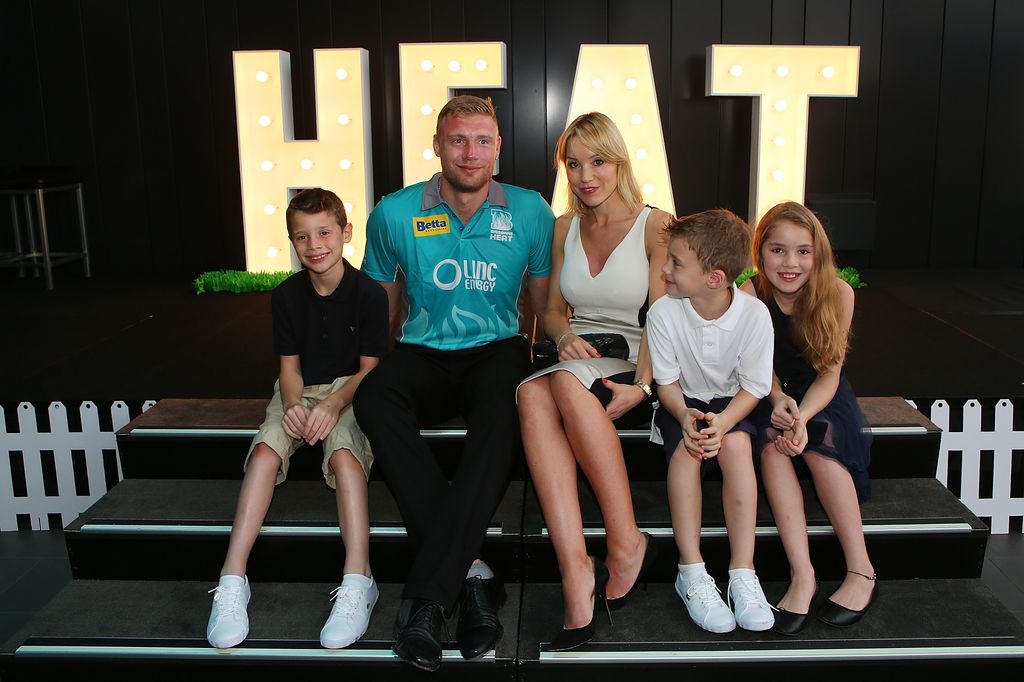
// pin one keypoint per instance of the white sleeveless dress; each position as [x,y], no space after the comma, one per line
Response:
[613,301]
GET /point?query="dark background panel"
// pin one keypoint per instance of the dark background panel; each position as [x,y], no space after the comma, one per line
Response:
[827,22]
[358,24]
[695,124]
[648,22]
[196,244]
[1000,238]
[221,41]
[788,22]
[744,22]
[139,97]
[960,144]
[68,113]
[568,28]
[860,145]
[153,132]
[402,21]
[119,193]
[907,121]
[526,59]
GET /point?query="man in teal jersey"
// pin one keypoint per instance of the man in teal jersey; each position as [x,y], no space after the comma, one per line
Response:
[464,244]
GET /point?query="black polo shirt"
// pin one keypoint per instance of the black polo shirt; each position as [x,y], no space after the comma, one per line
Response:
[329,333]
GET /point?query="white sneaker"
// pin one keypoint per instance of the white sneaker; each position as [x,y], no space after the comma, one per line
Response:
[229,623]
[747,599]
[353,604]
[702,597]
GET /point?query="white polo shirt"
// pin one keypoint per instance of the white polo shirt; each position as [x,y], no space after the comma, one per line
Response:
[712,358]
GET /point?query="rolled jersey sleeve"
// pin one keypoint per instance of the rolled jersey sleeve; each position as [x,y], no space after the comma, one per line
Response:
[380,260]
[755,362]
[659,342]
[540,245]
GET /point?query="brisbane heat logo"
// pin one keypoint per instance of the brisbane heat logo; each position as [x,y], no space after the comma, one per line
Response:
[501,225]
[429,225]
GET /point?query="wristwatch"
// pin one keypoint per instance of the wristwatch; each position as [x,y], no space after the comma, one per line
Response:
[644,387]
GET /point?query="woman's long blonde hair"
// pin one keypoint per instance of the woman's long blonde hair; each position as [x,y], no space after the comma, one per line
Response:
[817,327]
[599,134]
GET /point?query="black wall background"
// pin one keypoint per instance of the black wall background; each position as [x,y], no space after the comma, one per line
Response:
[138,94]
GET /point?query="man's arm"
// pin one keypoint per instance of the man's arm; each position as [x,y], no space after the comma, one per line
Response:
[396,292]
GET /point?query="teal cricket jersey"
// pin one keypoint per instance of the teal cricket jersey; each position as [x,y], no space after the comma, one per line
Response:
[462,281]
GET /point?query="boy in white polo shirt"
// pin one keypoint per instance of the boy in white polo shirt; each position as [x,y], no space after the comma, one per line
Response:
[711,348]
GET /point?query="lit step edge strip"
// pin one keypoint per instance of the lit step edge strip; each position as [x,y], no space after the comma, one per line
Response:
[444,434]
[197,652]
[772,531]
[876,654]
[292,531]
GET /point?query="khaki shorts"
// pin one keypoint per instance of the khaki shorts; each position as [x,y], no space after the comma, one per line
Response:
[346,434]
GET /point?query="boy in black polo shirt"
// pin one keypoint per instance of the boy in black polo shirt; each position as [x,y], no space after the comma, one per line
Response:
[330,329]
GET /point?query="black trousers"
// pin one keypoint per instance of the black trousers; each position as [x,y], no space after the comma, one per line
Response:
[446,521]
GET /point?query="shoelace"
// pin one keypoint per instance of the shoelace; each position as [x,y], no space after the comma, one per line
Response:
[426,622]
[229,601]
[474,600]
[346,601]
[704,589]
[749,593]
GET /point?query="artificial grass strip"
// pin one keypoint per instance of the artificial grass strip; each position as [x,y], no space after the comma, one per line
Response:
[848,275]
[237,281]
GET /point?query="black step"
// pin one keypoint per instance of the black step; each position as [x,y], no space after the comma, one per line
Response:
[204,439]
[167,529]
[915,528]
[156,630]
[946,627]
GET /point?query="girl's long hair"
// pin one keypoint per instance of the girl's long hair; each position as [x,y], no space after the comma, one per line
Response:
[817,327]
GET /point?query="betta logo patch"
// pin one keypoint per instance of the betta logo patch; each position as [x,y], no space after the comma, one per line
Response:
[429,225]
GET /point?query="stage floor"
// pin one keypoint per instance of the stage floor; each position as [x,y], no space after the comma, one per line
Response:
[921,334]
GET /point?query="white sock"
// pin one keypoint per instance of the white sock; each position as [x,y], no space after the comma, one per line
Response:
[691,571]
[480,570]
[741,573]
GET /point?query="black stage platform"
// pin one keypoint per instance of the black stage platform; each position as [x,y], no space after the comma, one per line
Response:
[920,334]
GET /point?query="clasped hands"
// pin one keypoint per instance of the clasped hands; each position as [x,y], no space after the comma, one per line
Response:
[786,418]
[310,424]
[701,443]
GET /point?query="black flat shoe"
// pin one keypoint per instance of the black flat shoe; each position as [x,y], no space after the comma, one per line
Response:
[789,623]
[479,629]
[567,639]
[650,554]
[838,616]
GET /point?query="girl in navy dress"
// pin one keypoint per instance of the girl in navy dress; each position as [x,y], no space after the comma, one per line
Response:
[811,412]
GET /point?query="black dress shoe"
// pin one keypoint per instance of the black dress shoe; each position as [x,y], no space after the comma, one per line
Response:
[570,638]
[479,629]
[789,623]
[418,634]
[650,553]
[838,616]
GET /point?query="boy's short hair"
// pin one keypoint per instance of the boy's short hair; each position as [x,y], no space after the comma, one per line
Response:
[466,105]
[719,237]
[316,200]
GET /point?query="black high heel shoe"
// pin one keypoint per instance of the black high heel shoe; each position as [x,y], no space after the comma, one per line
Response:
[789,623]
[838,616]
[567,639]
[650,554]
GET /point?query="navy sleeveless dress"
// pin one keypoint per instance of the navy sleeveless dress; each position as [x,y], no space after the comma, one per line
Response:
[839,430]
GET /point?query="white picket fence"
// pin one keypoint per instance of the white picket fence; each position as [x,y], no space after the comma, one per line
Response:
[31,443]
[971,442]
